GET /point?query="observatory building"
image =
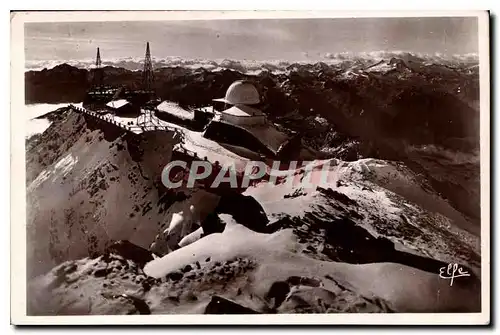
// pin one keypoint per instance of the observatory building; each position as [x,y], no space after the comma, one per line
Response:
[243,124]
[242,96]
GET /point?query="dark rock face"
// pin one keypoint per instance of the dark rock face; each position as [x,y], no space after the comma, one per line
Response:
[140,305]
[212,224]
[435,116]
[337,196]
[131,251]
[175,276]
[187,268]
[245,210]
[306,295]
[101,272]
[279,290]
[220,305]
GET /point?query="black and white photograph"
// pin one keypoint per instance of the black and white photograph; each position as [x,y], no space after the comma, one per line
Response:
[271,167]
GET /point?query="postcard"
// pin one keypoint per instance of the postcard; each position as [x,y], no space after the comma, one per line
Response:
[272,167]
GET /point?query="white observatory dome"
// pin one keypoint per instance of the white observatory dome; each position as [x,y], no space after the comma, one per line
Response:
[241,93]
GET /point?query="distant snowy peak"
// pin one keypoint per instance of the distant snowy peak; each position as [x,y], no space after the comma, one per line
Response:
[354,62]
[439,58]
[409,63]
[394,63]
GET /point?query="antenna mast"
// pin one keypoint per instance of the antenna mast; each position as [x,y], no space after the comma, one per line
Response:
[147,73]
[97,80]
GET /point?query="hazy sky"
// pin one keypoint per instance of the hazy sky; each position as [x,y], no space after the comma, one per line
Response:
[291,39]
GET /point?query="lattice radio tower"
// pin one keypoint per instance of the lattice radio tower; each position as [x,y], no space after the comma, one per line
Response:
[97,80]
[147,73]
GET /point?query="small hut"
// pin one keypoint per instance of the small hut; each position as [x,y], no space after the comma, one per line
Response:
[122,107]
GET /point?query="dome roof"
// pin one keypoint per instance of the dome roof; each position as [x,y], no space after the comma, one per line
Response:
[241,93]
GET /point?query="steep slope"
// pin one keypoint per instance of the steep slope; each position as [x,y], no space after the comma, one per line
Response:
[88,186]
[361,240]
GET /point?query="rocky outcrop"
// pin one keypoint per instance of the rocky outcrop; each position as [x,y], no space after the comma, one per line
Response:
[130,251]
[220,305]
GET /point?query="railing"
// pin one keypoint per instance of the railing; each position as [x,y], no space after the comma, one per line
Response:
[132,128]
[145,128]
[136,129]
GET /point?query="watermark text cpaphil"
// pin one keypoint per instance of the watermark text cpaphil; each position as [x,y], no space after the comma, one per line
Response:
[182,174]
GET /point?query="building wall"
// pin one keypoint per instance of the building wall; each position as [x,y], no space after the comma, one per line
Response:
[229,133]
[243,120]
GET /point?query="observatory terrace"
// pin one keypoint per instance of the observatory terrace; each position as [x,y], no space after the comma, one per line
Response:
[193,143]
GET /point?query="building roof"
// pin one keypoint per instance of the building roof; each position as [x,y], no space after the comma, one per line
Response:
[268,135]
[117,103]
[174,109]
[242,111]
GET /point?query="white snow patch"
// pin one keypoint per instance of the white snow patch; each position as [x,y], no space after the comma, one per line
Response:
[117,103]
[236,240]
[278,259]
[65,165]
[321,120]
[43,176]
[174,109]
[59,169]
[383,67]
[180,218]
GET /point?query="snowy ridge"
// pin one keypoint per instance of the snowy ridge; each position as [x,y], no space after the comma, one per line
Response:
[252,66]
[388,196]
